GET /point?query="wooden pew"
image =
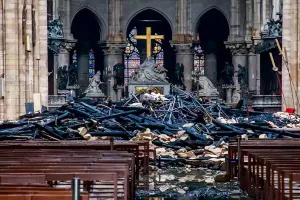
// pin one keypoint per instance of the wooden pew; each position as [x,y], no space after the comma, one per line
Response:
[67,159]
[269,173]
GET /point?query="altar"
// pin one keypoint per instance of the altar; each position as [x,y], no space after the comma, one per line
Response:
[149,77]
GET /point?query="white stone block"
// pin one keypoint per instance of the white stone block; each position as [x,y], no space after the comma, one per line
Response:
[37,101]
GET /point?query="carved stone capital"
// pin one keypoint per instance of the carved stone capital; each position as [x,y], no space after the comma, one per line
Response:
[112,48]
[68,45]
[183,48]
[251,49]
[237,48]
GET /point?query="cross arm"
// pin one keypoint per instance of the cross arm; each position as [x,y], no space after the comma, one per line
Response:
[157,37]
[139,37]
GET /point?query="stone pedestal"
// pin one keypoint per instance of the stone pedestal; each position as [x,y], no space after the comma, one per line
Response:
[268,103]
[228,91]
[161,88]
[185,55]
[95,95]
[120,89]
[113,54]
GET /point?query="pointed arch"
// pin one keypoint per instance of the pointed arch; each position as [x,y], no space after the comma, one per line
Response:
[143,10]
[98,18]
[198,19]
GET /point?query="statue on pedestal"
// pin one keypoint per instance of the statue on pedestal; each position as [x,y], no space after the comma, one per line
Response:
[62,77]
[73,75]
[93,89]
[119,73]
[242,75]
[227,74]
[148,72]
[208,88]
[179,77]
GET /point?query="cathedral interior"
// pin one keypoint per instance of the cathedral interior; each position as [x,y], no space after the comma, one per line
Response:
[205,37]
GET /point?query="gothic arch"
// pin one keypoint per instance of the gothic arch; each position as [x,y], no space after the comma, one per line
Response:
[98,18]
[197,21]
[144,9]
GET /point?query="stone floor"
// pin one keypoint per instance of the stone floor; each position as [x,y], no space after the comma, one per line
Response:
[187,183]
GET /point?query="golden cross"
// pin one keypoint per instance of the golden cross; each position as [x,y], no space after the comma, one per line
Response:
[148,37]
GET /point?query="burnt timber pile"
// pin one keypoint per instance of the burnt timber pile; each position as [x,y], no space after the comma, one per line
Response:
[51,148]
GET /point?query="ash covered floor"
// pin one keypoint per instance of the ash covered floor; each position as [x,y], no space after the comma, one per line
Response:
[188,183]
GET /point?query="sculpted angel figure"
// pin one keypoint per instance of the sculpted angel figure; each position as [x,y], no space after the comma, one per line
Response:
[207,86]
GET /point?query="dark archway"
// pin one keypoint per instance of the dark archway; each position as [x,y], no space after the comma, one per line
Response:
[213,30]
[159,25]
[86,29]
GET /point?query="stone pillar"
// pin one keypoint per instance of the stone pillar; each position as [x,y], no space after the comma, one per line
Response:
[113,54]
[234,20]
[64,12]
[119,92]
[211,62]
[185,55]
[258,74]
[83,67]
[64,53]
[55,70]
[183,26]
[239,57]
[252,71]
[229,95]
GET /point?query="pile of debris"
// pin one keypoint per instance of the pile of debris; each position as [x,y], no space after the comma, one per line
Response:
[180,127]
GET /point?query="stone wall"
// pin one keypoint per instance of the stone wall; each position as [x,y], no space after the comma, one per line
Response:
[130,8]
[23,54]
[290,78]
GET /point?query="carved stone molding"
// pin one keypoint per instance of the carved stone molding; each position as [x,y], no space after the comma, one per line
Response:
[68,45]
[113,48]
[183,48]
[237,48]
[251,49]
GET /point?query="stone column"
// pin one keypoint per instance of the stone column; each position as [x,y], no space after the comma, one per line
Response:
[113,54]
[185,55]
[83,66]
[234,20]
[258,74]
[64,54]
[55,70]
[239,57]
[252,70]
[64,12]
[211,62]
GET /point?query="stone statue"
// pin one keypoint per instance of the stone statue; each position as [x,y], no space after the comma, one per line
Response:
[119,73]
[73,75]
[208,88]
[227,74]
[55,29]
[275,27]
[93,89]
[62,78]
[149,73]
[179,77]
